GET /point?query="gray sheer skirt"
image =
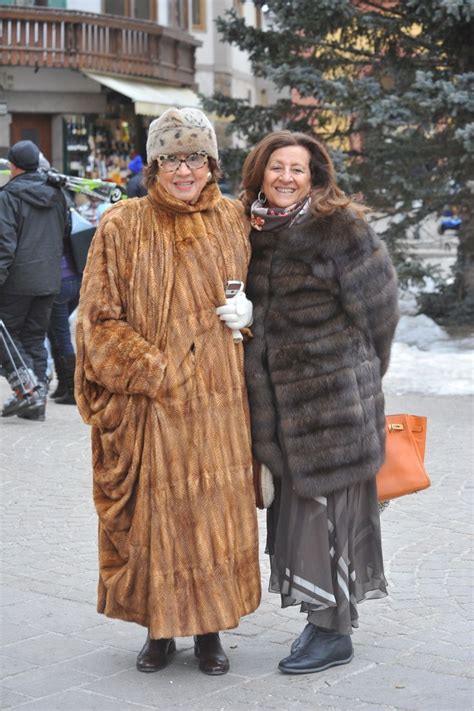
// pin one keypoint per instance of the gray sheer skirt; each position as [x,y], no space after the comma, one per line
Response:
[326,553]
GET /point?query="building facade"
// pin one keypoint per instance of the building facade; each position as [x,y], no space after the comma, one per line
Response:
[221,67]
[84,78]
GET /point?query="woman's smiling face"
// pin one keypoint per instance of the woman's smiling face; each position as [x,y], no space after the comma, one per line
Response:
[287,176]
[184,183]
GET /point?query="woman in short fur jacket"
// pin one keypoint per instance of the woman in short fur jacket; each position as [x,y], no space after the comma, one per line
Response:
[325,310]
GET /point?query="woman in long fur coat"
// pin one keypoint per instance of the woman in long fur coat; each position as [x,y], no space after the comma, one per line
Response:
[325,310]
[160,379]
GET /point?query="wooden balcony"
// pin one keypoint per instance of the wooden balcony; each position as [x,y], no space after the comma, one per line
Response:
[32,37]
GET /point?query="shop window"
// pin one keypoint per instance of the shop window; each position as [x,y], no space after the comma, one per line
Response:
[199,15]
[76,144]
[98,147]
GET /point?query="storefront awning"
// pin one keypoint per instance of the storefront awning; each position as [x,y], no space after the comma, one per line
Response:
[149,99]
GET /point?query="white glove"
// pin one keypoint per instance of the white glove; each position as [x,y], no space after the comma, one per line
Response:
[266,486]
[236,313]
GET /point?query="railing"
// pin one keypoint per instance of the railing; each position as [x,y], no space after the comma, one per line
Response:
[104,43]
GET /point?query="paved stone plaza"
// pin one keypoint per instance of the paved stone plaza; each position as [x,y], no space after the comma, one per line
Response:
[413,650]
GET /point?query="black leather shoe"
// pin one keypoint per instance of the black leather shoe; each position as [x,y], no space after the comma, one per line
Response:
[316,650]
[304,637]
[155,654]
[212,658]
[68,398]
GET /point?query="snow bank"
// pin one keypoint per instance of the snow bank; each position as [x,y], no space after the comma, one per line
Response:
[425,359]
[433,372]
[420,331]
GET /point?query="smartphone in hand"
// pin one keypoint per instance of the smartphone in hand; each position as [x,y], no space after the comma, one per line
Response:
[232,288]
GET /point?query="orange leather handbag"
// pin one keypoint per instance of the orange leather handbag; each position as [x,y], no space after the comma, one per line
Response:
[403,471]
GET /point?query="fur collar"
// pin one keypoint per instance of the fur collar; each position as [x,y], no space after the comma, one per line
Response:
[327,237]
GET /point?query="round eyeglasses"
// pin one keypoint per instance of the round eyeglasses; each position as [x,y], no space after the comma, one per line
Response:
[172,163]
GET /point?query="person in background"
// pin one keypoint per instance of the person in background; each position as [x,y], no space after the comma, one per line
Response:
[33,216]
[325,310]
[135,186]
[59,330]
[160,379]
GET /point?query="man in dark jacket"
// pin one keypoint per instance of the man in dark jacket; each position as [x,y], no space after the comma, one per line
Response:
[32,224]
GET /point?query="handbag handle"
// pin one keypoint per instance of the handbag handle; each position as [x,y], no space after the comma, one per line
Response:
[394,426]
[416,425]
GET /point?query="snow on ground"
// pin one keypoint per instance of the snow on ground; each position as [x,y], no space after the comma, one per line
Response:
[425,359]
[432,372]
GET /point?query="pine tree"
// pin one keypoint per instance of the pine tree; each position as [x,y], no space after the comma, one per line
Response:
[389,85]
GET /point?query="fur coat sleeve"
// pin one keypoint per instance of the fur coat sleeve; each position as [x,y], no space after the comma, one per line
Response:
[368,289]
[112,353]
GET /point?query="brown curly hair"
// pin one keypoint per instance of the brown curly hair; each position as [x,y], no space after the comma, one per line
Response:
[326,196]
[151,170]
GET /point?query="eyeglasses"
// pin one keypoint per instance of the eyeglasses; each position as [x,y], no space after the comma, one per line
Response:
[172,163]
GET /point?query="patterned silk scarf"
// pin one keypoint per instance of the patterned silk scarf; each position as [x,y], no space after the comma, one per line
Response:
[277,218]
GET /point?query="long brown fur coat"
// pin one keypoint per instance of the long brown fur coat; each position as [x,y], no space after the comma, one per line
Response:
[325,311]
[161,381]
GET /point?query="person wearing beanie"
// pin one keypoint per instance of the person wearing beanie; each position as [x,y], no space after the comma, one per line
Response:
[135,186]
[33,218]
[25,156]
[160,378]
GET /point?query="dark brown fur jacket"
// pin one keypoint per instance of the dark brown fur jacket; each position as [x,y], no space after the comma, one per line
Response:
[325,311]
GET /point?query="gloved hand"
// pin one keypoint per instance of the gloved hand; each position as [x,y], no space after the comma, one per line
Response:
[236,313]
[267,486]
[263,484]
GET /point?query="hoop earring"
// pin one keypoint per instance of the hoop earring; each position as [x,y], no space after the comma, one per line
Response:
[261,197]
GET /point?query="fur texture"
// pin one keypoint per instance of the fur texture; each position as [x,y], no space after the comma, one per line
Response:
[325,311]
[161,381]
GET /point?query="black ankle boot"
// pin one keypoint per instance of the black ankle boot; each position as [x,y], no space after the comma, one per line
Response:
[66,397]
[212,658]
[61,386]
[155,654]
[316,650]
